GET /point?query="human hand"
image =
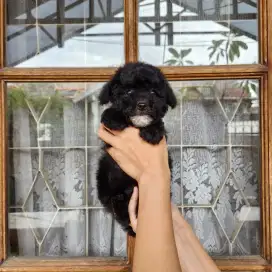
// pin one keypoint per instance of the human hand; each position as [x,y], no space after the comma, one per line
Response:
[135,156]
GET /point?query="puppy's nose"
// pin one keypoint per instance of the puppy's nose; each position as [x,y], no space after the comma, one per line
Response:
[141,106]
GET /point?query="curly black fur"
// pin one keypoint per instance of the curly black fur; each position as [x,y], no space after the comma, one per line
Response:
[137,90]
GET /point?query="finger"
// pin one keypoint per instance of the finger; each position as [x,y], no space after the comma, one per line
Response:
[129,132]
[126,163]
[132,208]
[133,130]
[116,154]
[111,131]
[107,137]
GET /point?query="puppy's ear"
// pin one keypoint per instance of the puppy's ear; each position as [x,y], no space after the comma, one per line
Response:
[171,99]
[106,94]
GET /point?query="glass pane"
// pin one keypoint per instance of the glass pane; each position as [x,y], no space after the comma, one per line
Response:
[192,32]
[216,181]
[61,33]
[53,150]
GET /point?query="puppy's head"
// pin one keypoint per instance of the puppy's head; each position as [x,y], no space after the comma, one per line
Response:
[141,92]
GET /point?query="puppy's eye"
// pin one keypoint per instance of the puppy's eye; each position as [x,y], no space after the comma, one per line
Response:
[156,92]
[130,92]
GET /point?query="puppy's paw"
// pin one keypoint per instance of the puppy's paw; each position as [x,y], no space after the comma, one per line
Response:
[113,119]
[152,134]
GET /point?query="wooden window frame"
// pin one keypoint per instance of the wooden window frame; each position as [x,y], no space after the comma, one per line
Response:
[262,72]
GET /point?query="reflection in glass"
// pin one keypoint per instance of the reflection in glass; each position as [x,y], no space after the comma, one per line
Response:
[59,33]
[54,150]
[186,33]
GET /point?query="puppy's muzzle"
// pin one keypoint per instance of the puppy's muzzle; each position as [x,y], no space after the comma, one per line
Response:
[141,106]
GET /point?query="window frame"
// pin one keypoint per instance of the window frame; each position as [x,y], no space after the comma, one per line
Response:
[261,72]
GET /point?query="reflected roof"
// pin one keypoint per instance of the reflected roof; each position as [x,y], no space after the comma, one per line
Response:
[28,37]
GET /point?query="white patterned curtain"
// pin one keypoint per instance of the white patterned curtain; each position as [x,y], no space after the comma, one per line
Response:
[216,168]
[54,210]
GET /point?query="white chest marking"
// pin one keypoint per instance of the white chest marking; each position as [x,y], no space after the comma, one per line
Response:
[141,120]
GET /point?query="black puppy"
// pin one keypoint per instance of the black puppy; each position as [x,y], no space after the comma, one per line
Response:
[139,95]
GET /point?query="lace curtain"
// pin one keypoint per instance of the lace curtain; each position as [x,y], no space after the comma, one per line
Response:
[216,178]
[52,184]
[54,210]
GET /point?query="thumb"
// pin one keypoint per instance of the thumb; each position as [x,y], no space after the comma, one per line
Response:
[132,208]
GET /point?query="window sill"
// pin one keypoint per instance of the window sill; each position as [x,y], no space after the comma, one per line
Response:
[75,264]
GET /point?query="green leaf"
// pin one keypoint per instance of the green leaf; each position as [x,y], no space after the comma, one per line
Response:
[242,44]
[247,90]
[171,62]
[174,52]
[217,57]
[235,49]
[212,63]
[253,87]
[217,43]
[231,56]
[17,99]
[212,53]
[227,46]
[184,53]
[189,62]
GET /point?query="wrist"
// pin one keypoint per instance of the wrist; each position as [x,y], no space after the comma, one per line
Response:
[150,177]
[155,190]
[154,182]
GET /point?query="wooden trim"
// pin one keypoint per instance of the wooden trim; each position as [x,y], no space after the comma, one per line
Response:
[57,74]
[65,268]
[258,71]
[264,184]
[75,264]
[214,72]
[2,32]
[262,29]
[130,249]
[267,143]
[251,263]
[103,74]
[3,157]
[131,30]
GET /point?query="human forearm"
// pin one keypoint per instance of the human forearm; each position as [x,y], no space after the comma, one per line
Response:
[191,254]
[155,248]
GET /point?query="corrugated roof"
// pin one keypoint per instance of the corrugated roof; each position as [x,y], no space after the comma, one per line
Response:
[28,19]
